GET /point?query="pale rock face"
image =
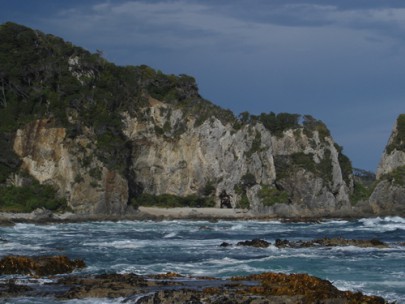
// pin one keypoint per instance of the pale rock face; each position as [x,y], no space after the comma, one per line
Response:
[81,74]
[388,197]
[51,158]
[184,164]
[391,161]
[296,141]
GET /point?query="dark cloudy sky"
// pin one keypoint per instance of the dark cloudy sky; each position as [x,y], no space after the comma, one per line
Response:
[342,61]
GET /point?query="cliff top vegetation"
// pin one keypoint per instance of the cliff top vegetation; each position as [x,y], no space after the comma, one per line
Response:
[398,141]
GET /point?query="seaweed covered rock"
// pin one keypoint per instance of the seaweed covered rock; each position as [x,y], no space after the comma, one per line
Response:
[103,286]
[172,288]
[39,266]
[306,289]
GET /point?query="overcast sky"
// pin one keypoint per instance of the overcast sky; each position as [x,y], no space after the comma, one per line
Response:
[342,61]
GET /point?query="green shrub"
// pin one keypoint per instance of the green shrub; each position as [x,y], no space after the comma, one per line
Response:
[287,164]
[29,198]
[209,189]
[243,202]
[346,167]
[270,196]
[5,172]
[96,173]
[256,145]
[311,124]
[398,142]
[397,176]
[93,184]
[364,177]
[275,123]
[361,193]
[248,180]
[78,179]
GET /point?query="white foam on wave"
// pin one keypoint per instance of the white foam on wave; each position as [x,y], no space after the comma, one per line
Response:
[170,235]
[20,226]
[338,222]
[292,253]
[240,268]
[378,220]
[395,219]
[389,223]
[237,227]
[224,261]
[33,281]
[397,283]
[352,248]
[364,288]
[348,285]
[95,301]
[126,244]
[18,246]
[266,223]
[371,222]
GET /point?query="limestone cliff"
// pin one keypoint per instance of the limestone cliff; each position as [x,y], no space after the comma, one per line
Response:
[106,137]
[394,153]
[294,173]
[388,197]
[69,164]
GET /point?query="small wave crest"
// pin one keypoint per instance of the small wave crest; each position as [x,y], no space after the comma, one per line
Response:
[237,227]
[126,244]
[338,222]
[170,235]
[348,285]
[389,223]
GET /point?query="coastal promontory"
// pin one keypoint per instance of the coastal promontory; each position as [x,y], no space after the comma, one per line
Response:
[81,134]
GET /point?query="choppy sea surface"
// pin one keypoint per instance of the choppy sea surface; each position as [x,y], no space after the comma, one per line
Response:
[192,248]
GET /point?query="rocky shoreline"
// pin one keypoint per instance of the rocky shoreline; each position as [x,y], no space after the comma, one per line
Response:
[167,288]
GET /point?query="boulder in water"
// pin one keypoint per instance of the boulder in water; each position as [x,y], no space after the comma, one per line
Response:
[255,243]
[40,265]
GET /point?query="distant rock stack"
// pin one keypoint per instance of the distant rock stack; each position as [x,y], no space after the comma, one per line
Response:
[388,198]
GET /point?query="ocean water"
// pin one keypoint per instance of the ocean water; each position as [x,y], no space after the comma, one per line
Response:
[192,248]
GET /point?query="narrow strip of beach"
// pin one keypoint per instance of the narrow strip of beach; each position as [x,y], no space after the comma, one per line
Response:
[193,213]
[142,213]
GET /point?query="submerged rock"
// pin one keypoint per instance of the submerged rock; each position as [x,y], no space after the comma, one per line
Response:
[255,243]
[103,286]
[330,242]
[11,289]
[39,266]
